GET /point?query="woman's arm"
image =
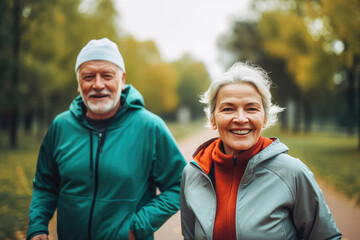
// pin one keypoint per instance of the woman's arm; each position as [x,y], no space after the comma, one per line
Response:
[187,215]
[311,215]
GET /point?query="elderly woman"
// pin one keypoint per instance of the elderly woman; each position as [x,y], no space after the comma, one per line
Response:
[243,185]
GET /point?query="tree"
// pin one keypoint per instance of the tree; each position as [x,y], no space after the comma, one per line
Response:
[194,80]
[334,29]
[340,20]
[245,43]
[45,38]
[146,70]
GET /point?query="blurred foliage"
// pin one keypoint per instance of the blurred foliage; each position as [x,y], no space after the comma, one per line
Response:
[156,80]
[311,51]
[51,35]
[194,80]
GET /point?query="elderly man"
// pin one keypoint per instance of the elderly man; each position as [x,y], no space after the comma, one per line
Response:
[101,161]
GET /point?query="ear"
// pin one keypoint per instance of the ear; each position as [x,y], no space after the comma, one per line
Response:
[265,122]
[213,123]
[123,78]
[78,89]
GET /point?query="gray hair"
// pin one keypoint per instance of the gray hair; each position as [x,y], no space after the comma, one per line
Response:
[243,73]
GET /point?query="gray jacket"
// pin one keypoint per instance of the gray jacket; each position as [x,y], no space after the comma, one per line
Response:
[278,198]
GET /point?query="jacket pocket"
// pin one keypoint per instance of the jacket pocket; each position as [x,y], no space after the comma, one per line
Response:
[73,217]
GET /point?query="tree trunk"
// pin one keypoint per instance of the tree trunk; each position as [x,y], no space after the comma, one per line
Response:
[284,126]
[14,115]
[297,117]
[357,78]
[28,121]
[350,100]
[307,116]
[358,117]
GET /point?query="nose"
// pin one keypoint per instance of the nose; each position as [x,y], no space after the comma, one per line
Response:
[98,84]
[240,117]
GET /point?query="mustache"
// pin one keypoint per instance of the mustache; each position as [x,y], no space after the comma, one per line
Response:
[102,92]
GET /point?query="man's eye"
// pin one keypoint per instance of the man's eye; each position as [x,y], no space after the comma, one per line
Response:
[252,109]
[227,109]
[88,77]
[108,77]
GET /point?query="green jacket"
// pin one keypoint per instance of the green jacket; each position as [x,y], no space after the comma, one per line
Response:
[104,184]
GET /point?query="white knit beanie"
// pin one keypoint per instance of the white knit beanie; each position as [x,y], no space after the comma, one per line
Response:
[100,49]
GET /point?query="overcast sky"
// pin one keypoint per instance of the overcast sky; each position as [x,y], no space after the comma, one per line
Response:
[179,26]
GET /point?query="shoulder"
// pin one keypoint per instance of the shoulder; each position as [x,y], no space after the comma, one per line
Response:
[141,115]
[149,120]
[291,171]
[286,166]
[279,161]
[286,162]
[150,117]
[63,117]
[188,169]
[190,173]
[64,123]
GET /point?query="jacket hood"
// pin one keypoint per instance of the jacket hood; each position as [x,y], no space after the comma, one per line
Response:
[274,149]
[131,98]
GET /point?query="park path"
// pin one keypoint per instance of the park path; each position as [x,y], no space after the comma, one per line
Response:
[345,212]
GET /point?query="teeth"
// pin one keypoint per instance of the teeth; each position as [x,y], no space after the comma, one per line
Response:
[242,132]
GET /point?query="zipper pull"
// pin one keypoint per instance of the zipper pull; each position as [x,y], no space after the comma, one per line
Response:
[234,160]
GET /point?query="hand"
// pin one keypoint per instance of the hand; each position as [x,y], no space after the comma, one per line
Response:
[131,236]
[41,237]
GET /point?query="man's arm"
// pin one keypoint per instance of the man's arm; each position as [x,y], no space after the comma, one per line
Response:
[166,175]
[40,237]
[45,191]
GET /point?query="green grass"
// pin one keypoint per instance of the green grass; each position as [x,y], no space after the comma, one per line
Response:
[331,156]
[334,157]
[17,168]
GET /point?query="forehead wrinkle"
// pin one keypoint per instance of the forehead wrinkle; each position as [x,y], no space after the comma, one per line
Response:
[253,103]
[102,71]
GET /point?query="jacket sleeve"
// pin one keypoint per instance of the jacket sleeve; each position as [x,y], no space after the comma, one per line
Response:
[168,164]
[45,189]
[187,215]
[311,215]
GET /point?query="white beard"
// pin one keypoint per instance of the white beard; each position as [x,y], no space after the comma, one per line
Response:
[101,107]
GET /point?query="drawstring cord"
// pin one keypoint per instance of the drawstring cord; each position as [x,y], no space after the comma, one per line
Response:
[91,154]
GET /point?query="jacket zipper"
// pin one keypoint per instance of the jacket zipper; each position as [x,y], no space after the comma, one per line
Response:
[98,151]
[233,188]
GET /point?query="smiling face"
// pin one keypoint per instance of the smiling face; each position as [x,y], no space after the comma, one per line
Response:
[100,84]
[239,116]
